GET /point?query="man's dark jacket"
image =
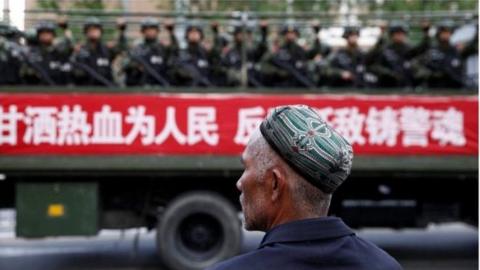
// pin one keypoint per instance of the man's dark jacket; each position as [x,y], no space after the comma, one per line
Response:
[321,243]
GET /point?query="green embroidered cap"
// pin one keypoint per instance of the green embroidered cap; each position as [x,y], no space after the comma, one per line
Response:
[309,145]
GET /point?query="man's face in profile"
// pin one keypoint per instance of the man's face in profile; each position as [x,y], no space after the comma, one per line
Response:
[252,188]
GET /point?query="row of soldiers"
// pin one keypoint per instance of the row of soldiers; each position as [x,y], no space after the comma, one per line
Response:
[50,60]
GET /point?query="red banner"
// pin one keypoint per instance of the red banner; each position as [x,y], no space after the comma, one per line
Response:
[221,124]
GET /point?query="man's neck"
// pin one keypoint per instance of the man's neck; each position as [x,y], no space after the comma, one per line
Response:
[289,214]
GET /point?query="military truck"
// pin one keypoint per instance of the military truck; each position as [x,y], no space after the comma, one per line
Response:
[74,162]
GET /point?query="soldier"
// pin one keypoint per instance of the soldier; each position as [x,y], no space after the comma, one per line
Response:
[93,61]
[149,62]
[233,58]
[442,61]
[392,62]
[219,74]
[195,65]
[346,67]
[47,62]
[220,40]
[10,56]
[287,67]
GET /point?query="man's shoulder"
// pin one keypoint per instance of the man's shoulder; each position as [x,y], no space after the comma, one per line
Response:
[357,254]
[369,254]
[252,260]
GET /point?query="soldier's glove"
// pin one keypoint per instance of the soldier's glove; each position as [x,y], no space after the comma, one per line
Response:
[214,27]
[425,27]
[169,26]
[121,25]
[264,28]
[62,23]
[316,27]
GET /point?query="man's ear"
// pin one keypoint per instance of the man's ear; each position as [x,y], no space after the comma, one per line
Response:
[278,183]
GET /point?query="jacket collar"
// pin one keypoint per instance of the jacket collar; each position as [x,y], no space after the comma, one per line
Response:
[307,229]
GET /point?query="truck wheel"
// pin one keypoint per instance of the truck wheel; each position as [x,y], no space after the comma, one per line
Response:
[198,229]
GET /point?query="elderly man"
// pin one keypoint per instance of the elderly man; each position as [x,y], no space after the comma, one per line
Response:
[292,166]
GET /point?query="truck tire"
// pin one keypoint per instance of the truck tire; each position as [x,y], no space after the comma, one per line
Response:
[198,229]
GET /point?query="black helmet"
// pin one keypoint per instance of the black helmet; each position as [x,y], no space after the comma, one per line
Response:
[149,22]
[350,30]
[192,27]
[446,25]
[92,22]
[397,26]
[45,26]
[289,28]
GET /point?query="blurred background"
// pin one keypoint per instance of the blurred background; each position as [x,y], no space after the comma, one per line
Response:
[89,180]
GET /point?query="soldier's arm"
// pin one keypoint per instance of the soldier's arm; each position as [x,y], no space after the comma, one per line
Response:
[316,48]
[372,54]
[173,47]
[80,56]
[65,44]
[215,53]
[332,69]
[268,68]
[128,63]
[379,69]
[424,43]
[422,72]
[181,71]
[121,44]
[262,46]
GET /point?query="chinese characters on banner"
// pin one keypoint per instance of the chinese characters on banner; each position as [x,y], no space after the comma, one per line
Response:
[222,124]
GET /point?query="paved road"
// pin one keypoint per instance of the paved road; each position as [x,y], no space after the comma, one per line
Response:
[450,246]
